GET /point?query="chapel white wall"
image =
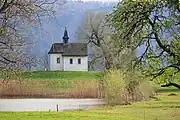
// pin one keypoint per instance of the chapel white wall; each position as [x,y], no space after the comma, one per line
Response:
[53,62]
[75,66]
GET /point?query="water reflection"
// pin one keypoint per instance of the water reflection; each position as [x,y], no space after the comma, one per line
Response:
[48,104]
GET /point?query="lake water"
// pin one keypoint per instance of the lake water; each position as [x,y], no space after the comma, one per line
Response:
[20,105]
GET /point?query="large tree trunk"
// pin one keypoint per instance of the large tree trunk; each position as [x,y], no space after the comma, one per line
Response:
[171,84]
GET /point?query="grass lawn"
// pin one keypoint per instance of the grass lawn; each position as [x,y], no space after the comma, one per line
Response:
[165,108]
[51,75]
[59,75]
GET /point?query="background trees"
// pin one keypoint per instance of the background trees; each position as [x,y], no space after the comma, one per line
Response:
[17,18]
[154,26]
[104,48]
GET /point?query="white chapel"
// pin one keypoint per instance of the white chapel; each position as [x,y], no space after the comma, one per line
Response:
[68,56]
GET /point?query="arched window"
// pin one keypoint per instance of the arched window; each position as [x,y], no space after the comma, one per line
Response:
[58,60]
[71,61]
[79,60]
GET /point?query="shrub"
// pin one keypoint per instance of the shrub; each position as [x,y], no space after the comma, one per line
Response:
[125,87]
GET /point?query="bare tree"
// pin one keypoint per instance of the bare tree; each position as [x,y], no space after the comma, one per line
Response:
[44,61]
[99,36]
[16,16]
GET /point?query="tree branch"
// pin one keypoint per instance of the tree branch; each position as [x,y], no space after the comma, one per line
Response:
[6,5]
[171,84]
[165,48]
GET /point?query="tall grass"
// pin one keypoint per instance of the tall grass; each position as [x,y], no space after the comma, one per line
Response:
[123,87]
[49,84]
[86,89]
[117,87]
[50,89]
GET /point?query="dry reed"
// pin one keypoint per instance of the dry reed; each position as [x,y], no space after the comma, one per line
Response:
[50,89]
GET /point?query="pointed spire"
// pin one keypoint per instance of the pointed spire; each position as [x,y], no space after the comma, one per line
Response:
[65,37]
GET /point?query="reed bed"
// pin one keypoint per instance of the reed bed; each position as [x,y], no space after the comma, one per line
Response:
[50,89]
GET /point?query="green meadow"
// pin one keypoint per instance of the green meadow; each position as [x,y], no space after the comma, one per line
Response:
[59,75]
[52,75]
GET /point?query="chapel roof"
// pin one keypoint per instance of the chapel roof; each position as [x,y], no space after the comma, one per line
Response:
[69,49]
